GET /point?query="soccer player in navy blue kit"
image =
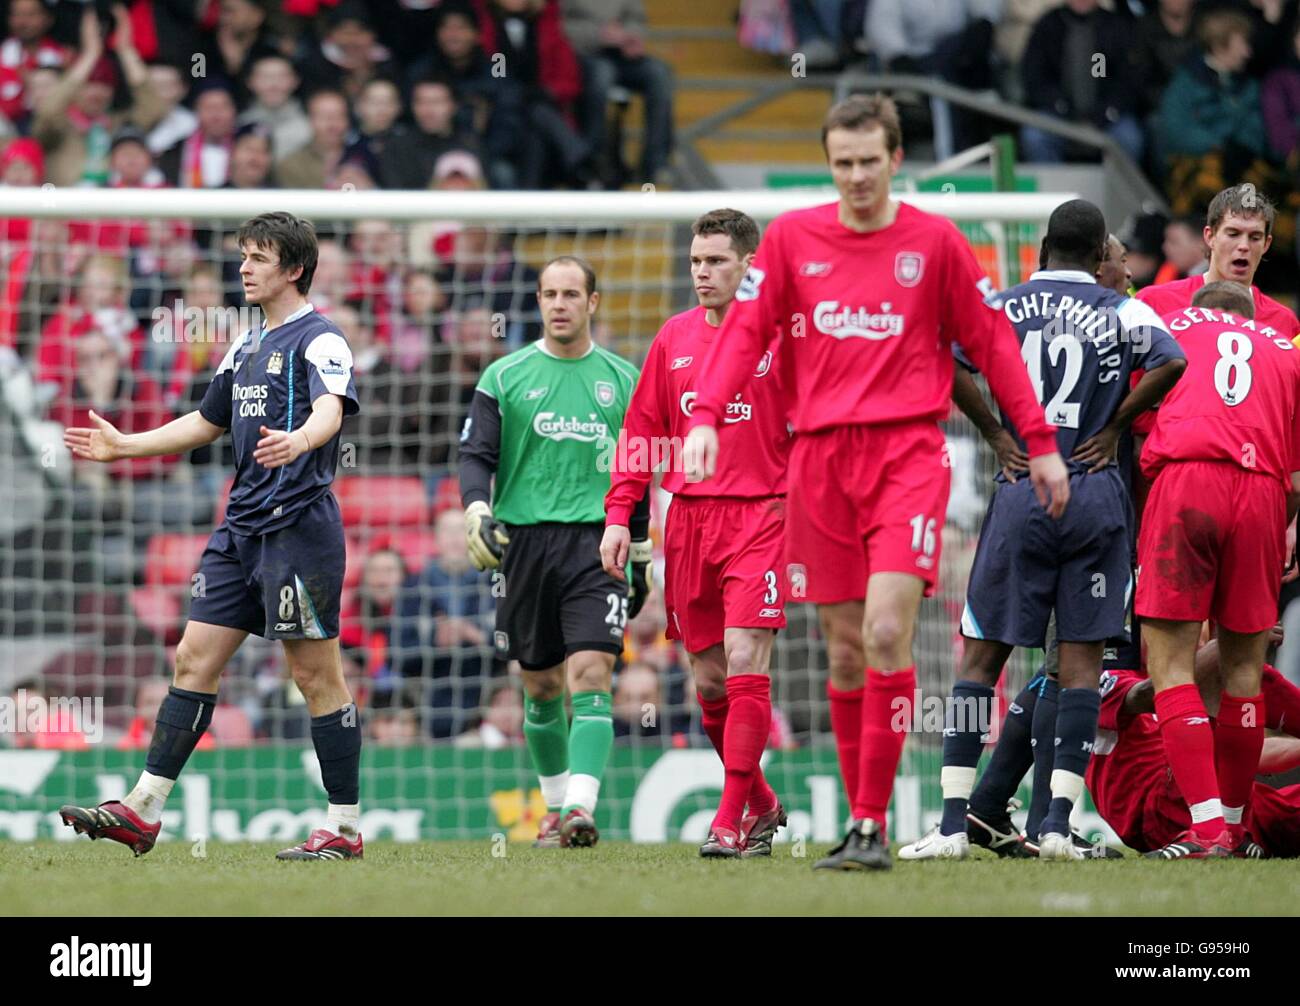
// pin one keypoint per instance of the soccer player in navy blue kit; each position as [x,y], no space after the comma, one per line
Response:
[275,565]
[1080,342]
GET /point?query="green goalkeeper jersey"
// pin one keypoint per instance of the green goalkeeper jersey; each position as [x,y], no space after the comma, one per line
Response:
[559,423]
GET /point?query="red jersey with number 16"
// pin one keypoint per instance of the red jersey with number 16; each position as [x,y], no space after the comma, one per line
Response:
[868,321]
[754,431]
[1238,401]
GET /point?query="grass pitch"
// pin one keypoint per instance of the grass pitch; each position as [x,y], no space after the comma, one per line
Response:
[466,878]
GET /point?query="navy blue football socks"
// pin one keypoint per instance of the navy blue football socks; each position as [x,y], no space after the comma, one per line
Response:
[182,718]
[964,735]
[337,739]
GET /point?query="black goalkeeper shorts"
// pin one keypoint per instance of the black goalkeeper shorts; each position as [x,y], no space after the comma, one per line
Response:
[558,599]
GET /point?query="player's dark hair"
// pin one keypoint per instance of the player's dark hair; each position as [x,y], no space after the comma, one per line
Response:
[865,111]
[588,273]
[1226,296]
[1076,235]
[740,227]
[293,239]
[1240,201]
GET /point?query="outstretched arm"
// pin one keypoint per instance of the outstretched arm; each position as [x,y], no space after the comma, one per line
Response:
[105,442]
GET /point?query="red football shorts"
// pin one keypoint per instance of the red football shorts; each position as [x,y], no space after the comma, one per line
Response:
[722,567]
[1212,545]
[863,500]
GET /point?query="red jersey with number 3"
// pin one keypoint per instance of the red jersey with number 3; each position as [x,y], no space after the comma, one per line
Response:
[1238,401]
[868,320]
[755,434]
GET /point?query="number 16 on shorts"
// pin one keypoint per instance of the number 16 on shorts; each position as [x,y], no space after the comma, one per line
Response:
[924,539]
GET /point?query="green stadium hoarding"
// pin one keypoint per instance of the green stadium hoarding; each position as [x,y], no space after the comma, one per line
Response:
[442,792]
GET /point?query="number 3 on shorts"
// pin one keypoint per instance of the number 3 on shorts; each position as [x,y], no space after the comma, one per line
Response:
[286,602]
[922,534]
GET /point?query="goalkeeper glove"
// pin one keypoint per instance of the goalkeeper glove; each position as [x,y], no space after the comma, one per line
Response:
[487,536]
[640,555]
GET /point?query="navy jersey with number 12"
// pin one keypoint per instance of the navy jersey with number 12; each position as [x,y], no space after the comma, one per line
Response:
[1081,342]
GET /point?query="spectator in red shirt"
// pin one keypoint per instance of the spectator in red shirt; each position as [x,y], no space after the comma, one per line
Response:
[104,385]
[202,160]
[21,163]
[100,306]
[367,621]
[27,47]
[530,35]
[376,280]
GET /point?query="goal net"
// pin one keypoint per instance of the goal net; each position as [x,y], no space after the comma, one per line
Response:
[125,301]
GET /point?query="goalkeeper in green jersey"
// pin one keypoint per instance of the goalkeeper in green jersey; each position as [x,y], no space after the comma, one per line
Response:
[544,421]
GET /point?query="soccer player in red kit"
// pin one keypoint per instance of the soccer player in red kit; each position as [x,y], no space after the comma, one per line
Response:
[1224,462]
[869,295]
[1238,231]
[1129,778]
[724,539]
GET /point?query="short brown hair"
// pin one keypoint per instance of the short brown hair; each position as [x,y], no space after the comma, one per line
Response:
[1218,27]
[293,238]
[740,227]
[1226,296]
[1241,201]
[865,111]
[589,274]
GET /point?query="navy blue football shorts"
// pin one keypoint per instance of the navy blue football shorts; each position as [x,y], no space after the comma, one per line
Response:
[1028,565]
[285,584]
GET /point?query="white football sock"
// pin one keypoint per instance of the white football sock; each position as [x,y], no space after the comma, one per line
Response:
[582,792]
[343,819]
[553,789]
[149,797]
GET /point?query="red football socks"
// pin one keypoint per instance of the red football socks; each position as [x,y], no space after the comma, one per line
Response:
[713,718]
[1238,741]
[882,745]
[748,722]
[1189,747]
[846,724]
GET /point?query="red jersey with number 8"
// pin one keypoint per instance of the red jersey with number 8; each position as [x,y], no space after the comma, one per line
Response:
[1238,401]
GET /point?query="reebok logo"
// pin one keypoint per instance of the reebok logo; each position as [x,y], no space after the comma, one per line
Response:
[532,394]
[285,626]
[102,960]
[770,613]
[682,361]
[815,269]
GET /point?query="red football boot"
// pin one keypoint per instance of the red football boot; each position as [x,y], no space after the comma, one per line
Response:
[548,832]
[322,844]
[578,830]
[758,830]
[1189,846]
[113,820]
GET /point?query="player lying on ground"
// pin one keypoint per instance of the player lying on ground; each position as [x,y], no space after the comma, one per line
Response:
[1224,460]
[1080,342]
[869,294]
[275,565]
[544,421]
[723,539]
[1132,787]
